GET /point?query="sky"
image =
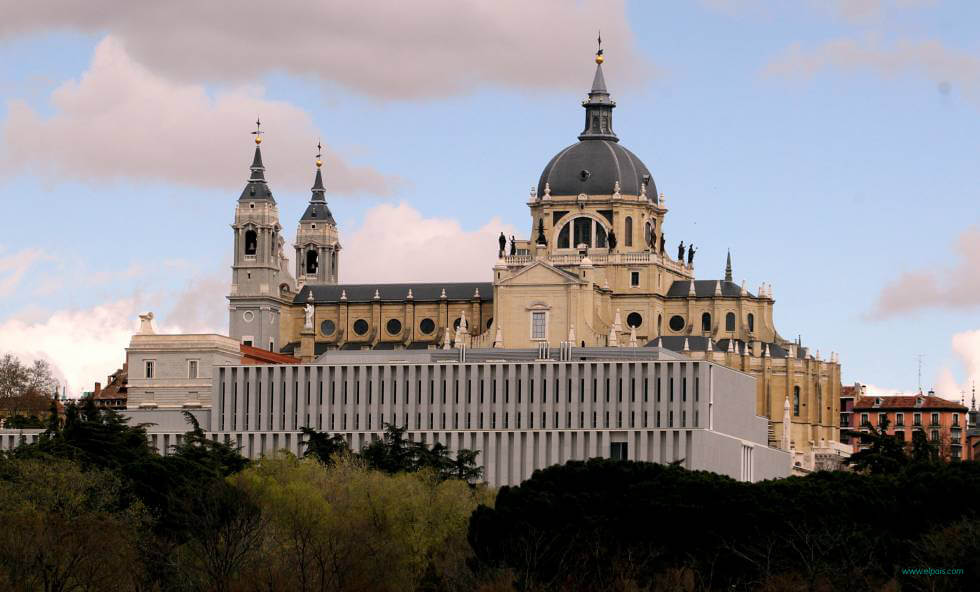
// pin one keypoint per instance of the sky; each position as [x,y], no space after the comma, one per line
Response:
[831,145]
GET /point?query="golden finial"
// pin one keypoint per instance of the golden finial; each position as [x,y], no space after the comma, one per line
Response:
[319,149]
[598,54]
[258,131]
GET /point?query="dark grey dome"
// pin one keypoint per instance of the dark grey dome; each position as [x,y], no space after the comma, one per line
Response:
[592,167]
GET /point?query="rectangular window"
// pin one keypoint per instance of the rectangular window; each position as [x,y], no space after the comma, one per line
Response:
[935,419]
[191,368]
[934,435]
[956,419]
[917,419]
[899,419]
[882,418]
[864,420]
[900,435]
[537,325]
[618,451]
[634,279]
[150,367]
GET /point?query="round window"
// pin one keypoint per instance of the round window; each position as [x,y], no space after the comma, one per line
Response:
[394,326]
[248,316]
[427,326]
[634,319]
[360,326]
[489,322]
[676,323]
[327,327]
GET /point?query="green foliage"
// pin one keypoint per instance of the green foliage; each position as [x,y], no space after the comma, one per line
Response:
[21,422]
[66,529]
[885,454]
[394,453]
[610,525]
[324,447]
[346,527]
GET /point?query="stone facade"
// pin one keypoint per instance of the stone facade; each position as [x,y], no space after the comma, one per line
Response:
[174,371]
[594,271]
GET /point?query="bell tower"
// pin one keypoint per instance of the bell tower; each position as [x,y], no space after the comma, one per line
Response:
[317,240]
[253,303]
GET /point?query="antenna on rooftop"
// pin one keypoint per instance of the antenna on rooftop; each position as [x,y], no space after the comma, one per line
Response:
[920,374]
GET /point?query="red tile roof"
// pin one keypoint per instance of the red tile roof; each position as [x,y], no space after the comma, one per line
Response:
[903,402]
[847,391]
[255,355]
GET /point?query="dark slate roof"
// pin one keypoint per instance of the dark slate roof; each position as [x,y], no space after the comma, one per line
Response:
[324,294]
[704,289]
[700,343]
[606,162]
[318,210]
[256,189]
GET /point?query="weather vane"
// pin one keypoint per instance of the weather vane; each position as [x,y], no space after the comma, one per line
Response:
[258,130]
[598,54]
[319,149]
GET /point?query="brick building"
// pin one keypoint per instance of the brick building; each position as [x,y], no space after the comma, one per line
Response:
[943,421]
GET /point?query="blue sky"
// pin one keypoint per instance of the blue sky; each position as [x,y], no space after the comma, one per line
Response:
[832,146]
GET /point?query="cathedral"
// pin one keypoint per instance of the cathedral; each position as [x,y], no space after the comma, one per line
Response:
[594,271]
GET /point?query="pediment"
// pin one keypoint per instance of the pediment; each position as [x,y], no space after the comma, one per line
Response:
[540,273]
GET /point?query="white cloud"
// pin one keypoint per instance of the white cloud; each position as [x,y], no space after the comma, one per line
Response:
[394,49]
[931,59]
[952,288]
[13,267]
[966,348]
[82,345]
[201,306]
[850,11]
[398,244]
[122,121]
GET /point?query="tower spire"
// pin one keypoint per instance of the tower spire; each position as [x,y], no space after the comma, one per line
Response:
[598,107]
[256,189]
[728,267]
[318,211]
[318,190]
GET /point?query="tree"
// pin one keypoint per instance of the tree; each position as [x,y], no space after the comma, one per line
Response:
[394,453]
[884,454]
[923,451]
[226,532]
[66,529]
[343,526]
[324,447]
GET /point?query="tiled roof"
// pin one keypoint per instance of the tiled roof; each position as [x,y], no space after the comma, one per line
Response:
[263,356]
[903,402]
[429,292]
[705,289]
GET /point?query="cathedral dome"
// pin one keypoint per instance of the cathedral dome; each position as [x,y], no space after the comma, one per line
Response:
[597,162]
[593,166]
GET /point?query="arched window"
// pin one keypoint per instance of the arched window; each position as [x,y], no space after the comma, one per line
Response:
[582,228]
[751,323]
[582,231]
[311,262]
[251,242]
[629,231]
[796,400]
[730,321]
[706,321]
[563,237]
